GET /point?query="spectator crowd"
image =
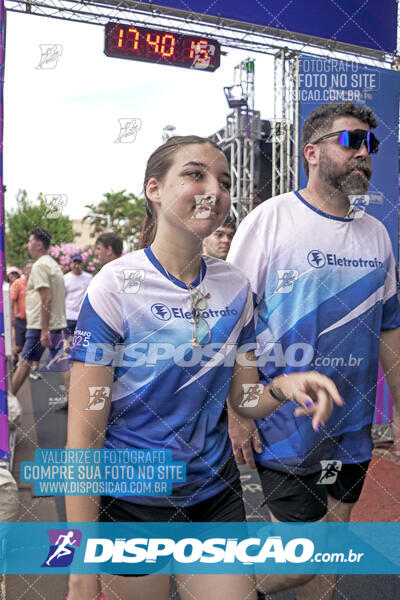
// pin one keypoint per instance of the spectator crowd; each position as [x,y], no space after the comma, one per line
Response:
[45,301]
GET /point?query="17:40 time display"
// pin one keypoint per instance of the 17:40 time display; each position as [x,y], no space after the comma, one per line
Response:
[161,47]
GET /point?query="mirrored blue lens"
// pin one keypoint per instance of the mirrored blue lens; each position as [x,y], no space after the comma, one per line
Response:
[344,138]
[355,139]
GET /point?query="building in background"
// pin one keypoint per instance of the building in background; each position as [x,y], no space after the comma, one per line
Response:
[82,230]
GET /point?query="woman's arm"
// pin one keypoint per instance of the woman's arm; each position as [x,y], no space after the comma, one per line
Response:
[315,393]
[86,429]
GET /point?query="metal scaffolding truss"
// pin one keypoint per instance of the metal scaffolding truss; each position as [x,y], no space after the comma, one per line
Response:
[230,33]
[285,126]
[243,125]
[243,128]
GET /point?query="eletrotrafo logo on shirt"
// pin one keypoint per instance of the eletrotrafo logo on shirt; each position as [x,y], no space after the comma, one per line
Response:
[164,313]
[318,259]
[161,311]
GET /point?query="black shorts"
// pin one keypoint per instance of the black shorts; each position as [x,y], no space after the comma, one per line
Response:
[20,331]
[226,506]
[300,498]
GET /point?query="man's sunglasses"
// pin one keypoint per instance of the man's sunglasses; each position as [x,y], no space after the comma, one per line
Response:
[354,139]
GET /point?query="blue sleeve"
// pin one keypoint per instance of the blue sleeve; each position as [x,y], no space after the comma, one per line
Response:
[391,305]
[391,314]
[94,341]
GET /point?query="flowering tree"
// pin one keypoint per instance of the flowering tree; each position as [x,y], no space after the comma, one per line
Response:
[126,212]
[62,254]
[21,220]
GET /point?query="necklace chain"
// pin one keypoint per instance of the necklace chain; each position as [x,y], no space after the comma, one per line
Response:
[196,312]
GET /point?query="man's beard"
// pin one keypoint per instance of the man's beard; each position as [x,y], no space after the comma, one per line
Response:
[345,180]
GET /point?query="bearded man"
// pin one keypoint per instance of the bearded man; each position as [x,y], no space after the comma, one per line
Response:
[323,277]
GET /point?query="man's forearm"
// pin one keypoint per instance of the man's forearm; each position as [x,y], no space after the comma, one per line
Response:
[46,308]
[389,357]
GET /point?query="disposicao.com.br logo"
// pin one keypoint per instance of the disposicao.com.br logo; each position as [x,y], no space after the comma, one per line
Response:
[249,551]
[129,548]
[193,550]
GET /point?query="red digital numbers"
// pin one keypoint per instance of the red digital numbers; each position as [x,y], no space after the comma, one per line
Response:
[128,41]
[150,45]
[155,44]
[168,39]
[199,49]
[136,35]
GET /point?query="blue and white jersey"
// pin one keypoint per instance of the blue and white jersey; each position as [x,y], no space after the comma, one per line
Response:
[324,288]
[168,394]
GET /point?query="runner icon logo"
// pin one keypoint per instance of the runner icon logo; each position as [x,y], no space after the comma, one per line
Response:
[251,394]
[128,129]
[204,205]
[55,205]
[50,54]
[357,206]
[132,280]
[202,55]
[329,471]
[62,547]
[97,397]
[286,279]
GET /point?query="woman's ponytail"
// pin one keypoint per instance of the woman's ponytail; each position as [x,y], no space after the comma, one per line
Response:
[148,229]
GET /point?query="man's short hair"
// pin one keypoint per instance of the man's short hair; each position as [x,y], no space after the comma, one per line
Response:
[229,223]
[321,120]
[111,239]
[42,235]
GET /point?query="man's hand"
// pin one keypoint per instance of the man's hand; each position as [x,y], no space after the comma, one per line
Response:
[244,437]
[45,338]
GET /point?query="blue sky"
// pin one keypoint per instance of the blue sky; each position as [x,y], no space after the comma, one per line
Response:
[61,124]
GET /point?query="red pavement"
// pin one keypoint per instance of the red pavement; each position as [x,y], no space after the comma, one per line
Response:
[380,498]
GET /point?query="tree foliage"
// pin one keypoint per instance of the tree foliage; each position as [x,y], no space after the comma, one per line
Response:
[27,215]
[126,212]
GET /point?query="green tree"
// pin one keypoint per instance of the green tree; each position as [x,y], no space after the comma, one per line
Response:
[27,215]
[126,213]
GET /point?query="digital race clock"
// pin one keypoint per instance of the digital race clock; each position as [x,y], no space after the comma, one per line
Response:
[162,47]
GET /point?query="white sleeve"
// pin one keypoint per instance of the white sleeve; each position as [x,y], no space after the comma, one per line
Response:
[248,253]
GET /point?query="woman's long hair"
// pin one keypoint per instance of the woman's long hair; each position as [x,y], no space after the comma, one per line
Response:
[158,166]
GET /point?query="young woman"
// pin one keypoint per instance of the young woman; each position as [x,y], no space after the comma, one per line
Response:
[186,324]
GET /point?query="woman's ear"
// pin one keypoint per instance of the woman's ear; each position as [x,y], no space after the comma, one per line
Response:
[153,190]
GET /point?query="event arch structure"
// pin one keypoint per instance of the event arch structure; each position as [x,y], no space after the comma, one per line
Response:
[357,31]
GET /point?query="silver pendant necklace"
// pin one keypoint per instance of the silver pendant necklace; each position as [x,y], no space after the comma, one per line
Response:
[198,301]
